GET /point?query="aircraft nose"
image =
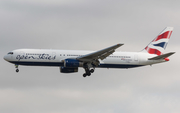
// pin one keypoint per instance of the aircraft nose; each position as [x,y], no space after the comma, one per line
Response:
[6,57]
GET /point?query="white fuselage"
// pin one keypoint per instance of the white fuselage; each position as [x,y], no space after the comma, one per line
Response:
[45,57]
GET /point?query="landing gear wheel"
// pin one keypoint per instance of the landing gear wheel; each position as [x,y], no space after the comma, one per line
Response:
[92,70]
[17,70]
[16,66]
[84,75]
[89,74]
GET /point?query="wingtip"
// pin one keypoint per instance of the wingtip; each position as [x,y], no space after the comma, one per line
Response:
[120,44]
[170,28]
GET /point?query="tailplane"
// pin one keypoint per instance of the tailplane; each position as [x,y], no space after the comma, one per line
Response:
[161,57]
[158,45]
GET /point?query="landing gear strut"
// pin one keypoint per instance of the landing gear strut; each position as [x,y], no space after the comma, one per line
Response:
[16,66]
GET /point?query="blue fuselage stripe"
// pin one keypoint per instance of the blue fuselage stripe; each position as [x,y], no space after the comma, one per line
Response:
[118,66]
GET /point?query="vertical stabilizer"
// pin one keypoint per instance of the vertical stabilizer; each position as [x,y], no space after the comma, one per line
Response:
[158,45]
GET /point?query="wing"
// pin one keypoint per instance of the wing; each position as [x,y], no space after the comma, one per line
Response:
[101,54]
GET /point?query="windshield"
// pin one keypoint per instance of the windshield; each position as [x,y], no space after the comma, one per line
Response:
[10,53]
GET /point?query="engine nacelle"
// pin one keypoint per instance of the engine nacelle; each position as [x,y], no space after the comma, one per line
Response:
[68,70]
[72,63]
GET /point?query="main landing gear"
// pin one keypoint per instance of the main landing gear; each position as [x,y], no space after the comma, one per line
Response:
[16,66]
[87,69]
[88,72]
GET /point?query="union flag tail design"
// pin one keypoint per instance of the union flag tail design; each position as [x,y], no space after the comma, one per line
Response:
[158,45]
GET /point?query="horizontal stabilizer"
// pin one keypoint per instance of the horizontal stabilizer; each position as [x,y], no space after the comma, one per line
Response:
[162,56]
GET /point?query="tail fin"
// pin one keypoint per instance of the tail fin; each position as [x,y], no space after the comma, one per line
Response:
[158,45]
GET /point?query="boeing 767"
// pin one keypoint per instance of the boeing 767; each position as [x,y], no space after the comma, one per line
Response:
[70,60]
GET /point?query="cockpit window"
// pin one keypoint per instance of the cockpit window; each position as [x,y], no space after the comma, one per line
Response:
[10,53]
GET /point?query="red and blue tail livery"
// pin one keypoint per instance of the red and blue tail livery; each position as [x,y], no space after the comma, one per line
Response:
[158,45]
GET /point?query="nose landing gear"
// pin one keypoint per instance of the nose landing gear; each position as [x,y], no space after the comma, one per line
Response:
[16,66]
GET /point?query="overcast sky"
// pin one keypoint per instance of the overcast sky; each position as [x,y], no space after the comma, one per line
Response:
[88,25]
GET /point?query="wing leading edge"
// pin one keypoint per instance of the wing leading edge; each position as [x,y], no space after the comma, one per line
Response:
[101,54]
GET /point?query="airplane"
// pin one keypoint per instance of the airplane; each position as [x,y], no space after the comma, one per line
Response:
[70,60]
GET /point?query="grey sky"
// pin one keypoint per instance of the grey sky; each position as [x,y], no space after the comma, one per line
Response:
[88,25]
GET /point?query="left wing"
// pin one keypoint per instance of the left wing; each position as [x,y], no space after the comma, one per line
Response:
[101,54]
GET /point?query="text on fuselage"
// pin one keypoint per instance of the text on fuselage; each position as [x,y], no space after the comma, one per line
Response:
[36,56]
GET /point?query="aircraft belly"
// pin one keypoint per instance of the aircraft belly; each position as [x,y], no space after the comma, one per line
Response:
[118,66]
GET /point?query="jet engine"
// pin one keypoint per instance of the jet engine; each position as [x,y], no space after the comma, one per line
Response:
[68,70]
[71,63]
